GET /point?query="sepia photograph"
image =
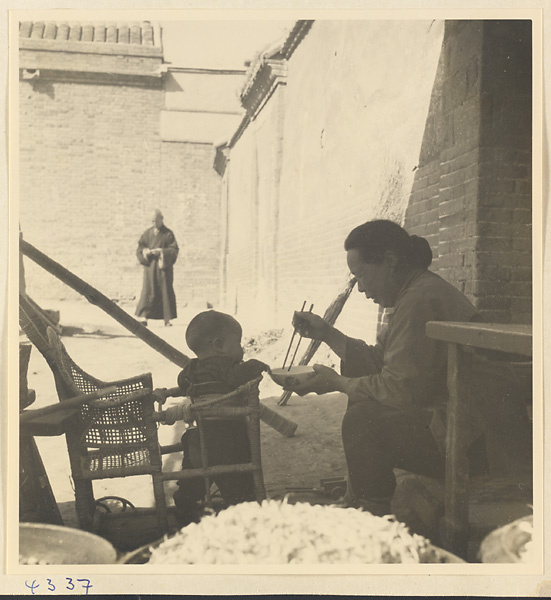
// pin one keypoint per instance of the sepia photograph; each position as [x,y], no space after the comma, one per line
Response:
[276,290]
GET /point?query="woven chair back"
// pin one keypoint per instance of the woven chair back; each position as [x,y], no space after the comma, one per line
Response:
[119,426]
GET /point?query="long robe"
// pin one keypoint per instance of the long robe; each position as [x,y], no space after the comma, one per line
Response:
[157,300]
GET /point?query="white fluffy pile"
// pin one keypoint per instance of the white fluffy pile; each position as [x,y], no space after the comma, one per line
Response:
[527,553]
[280,533]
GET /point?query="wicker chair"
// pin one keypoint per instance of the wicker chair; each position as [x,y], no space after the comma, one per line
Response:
[116,435]
[222,405]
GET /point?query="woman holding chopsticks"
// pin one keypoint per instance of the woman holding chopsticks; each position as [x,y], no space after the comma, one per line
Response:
[396,388]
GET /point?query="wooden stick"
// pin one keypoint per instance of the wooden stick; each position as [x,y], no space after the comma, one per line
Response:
[96,298]
[292,338]
[331,315]
[299,340]
[27,415]
[269,416]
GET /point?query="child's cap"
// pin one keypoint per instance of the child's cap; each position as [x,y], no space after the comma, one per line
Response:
[206,326]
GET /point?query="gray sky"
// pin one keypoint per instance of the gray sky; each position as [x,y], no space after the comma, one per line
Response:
[218,44]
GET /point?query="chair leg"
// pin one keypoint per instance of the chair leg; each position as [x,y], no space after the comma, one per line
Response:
[84,503]
[253,424]
[204,460]
[160,502]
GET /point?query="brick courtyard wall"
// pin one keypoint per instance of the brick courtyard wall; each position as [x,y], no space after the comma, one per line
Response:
[252,216]
[354,108]
[94,165]
[240,262]
[503,287]
[471,196]
[190,189]
[89,165]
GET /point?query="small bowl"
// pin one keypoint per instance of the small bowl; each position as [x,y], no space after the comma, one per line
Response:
[58,545]
[293,377]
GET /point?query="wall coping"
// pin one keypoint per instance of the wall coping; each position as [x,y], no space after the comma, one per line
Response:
[270,69]
[90,48]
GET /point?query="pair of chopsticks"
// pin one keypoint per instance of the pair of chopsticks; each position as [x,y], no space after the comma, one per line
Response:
[291,342]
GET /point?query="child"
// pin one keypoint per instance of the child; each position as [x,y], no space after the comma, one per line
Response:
[215,338]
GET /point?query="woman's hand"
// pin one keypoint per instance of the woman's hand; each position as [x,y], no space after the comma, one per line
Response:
[314,327]
[310,326]
[326,380]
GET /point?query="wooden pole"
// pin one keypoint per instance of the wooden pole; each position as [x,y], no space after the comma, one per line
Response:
[29,414]
[284,426]
[96,298]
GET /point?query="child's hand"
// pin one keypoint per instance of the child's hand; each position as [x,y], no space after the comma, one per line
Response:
[160,395]
[257,365]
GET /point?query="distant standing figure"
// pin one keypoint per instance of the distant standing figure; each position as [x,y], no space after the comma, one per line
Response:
[157,252]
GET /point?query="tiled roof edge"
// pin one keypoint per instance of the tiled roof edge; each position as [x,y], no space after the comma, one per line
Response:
[280,53]
[296,35]
[144,33]
[90,47]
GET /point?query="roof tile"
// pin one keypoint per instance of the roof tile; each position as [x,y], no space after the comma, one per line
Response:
[112,33]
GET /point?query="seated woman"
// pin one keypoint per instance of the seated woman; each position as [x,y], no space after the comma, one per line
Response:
[397,388]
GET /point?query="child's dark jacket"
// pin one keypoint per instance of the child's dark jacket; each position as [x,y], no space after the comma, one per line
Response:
[217,375]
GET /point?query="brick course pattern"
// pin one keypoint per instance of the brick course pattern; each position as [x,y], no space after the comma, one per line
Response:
[471,196]
[89,175]
[191,189]
[93,165]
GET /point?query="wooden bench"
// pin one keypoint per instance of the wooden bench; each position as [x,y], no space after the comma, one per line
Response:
[513,339]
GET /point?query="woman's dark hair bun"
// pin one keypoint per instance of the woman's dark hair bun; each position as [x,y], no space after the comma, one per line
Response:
[374,238]
[421,253]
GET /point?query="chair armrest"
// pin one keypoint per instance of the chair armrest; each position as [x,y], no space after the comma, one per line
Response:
[178,412]
[118,400]
[172,448]
[213,399]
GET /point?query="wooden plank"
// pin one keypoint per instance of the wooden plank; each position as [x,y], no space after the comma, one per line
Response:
[50,424]
[209,471]
[76,402]
[515,339]
[456,518]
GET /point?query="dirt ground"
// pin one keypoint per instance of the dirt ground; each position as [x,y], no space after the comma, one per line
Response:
[106,350]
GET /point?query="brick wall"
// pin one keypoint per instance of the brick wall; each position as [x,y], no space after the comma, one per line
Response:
[191,189]
[503,287]
[351,119]
[471,196]
[424,123]
[93,166]
[89,176]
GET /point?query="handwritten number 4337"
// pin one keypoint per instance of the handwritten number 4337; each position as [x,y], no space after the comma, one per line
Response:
[82,584]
